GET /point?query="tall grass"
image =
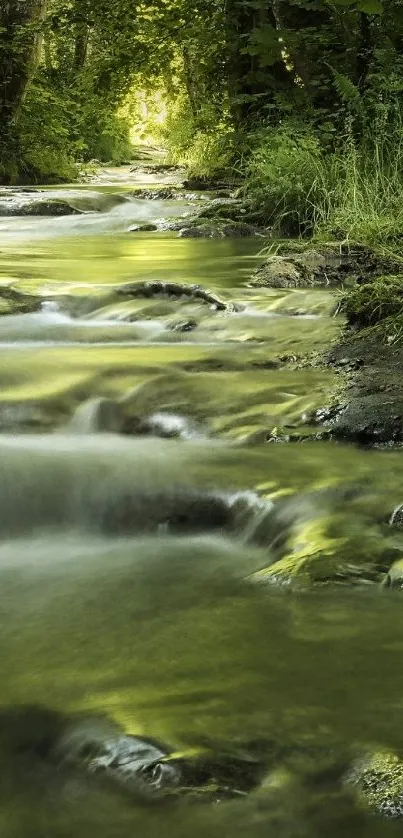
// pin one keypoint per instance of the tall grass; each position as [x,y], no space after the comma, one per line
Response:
[354,193]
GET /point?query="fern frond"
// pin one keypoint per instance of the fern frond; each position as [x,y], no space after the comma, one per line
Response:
[348,91]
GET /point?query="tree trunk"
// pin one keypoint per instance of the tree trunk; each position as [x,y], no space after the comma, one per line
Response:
[365,52]
[20,42]
[190,81]
[81,48]
[299,29]
[250,86]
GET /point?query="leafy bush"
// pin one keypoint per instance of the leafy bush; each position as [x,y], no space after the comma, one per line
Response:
[45,150]
[286,177]
[57,129]
[204,144]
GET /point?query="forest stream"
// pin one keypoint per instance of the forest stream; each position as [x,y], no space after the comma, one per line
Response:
[165,671]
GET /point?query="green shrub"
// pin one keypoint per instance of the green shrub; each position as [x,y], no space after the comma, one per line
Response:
[204,144]
[56,130]
[286,177]
[104,135]
[47,150]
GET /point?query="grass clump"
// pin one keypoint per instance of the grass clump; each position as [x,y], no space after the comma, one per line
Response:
[284,178]
[353,192]
[374,302]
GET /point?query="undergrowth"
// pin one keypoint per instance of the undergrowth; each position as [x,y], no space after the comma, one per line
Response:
[203,144]
[373,302]
[353,193]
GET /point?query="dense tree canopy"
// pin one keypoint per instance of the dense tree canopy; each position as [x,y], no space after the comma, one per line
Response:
[222,69]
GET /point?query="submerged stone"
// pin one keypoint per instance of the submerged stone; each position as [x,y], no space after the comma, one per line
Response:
[96,416]
[38,745]
[378,782]
[394,577]
[179,511]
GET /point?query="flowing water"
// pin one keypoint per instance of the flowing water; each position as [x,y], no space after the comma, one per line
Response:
[138,513]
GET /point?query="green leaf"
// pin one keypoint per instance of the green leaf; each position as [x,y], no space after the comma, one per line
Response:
[370,7]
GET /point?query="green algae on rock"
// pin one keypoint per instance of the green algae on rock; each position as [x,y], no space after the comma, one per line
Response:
[17,302]
[378,782]
[302,265]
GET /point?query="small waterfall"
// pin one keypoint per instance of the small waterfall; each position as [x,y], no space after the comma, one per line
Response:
[98,415]
[105,483]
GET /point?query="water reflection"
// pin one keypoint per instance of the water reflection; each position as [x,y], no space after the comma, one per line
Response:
[222,597]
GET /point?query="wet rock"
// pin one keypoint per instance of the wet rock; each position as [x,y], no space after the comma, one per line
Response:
[165,194]
[17,302]
[35,739]
[54,207]
[143,228]
[368,419]
[377,781]
[156,194]
[177,511]
[394,577]
[136,764]
[396,519]
[59,752]
[174,289]
[217,230]
[297,270]
[185,326]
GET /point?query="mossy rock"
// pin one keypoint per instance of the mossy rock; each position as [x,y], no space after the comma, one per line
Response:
[294,271]
[320,552]
[228,209]
[300,265]
[203,228]
[394,577]
[47,208]
[17,302]
[378,782]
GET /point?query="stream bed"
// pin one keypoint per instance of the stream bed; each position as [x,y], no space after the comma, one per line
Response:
[151,522]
